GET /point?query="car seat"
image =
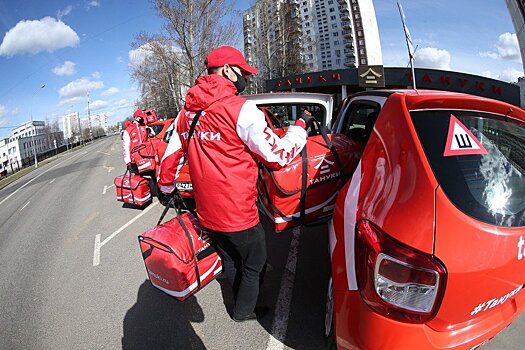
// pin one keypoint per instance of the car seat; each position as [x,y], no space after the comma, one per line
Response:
[369,124]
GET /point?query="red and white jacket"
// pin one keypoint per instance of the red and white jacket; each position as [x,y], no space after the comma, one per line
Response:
[230,138]
[132,136]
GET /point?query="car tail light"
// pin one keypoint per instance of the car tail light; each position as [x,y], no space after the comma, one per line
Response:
[395,280]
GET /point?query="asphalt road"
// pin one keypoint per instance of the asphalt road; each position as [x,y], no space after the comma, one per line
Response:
[72,275]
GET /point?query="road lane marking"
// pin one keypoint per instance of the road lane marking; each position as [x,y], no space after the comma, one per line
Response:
[99,244]
[109,168]
[50,182]
[107,154]
[36,177]
[282,308]
[25,206]
[106,188]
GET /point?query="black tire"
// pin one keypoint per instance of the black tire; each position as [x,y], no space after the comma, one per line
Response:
[329,318]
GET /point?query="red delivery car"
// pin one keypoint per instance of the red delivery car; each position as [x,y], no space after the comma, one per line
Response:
[427,239]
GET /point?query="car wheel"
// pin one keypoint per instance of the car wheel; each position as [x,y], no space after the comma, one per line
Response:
[329,315]
[329,318]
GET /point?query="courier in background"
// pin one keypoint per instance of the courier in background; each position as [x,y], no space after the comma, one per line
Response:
[135,133]
[229,139]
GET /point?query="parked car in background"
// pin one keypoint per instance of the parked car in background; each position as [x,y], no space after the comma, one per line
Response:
[427,239]
[160,128]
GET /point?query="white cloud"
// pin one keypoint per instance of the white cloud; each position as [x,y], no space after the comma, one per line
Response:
[98,104]
[64,12]
[487,74]
[110,92]
[510,75]
[77,90]
[138,56]
[3,111]
[36,36]
[4,121]
[122,103]
[431,57]
[507,48]
[68,68]
[93,3]
[96,75]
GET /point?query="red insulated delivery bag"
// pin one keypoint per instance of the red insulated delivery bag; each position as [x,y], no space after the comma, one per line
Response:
[132,188]
[178,256]
[305,190]
[144,156]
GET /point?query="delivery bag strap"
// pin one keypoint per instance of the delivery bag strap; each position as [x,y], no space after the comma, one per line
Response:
[193,124]
[267,195]
[304,185]
[122,185]
[140,148]
[332,149]
[171,204]
[130,186]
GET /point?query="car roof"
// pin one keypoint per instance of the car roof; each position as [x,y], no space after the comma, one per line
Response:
[412,92]
[279,97]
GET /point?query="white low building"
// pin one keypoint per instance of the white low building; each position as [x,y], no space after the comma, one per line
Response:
[19,147]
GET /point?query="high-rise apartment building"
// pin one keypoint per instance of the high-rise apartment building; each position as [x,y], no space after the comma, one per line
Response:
[71,123]
[333,34]
[517,13]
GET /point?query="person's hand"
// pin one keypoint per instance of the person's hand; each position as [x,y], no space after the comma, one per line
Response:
[129,166]
[308,118]
[164,198]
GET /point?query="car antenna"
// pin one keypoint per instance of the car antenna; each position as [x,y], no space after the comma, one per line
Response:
[410,46]
[508,112]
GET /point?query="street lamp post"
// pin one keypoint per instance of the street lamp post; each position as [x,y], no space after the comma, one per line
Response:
[33,131]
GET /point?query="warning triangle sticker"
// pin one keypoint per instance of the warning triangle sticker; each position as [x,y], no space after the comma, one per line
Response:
[460,141]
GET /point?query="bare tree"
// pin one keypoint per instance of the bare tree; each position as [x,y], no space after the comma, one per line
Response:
[175,58]
[275,43]
[54,135]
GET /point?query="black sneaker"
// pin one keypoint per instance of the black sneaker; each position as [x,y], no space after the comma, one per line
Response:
[249,317]
[258,313]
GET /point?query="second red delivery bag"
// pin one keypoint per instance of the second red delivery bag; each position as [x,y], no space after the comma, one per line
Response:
[305,190]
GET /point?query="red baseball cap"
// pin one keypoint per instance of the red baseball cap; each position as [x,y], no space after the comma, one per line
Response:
[229,55]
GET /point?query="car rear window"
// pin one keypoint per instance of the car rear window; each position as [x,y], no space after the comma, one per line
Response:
[489,186]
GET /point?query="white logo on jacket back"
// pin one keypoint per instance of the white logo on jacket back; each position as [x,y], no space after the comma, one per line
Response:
[202,135]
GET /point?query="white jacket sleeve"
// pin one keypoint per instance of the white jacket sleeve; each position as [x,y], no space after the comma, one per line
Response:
[125,147]
[172,161]
[261,140]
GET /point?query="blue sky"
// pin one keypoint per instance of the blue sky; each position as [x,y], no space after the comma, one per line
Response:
[91,44]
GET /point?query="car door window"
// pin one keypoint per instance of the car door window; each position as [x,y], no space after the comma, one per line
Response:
[359,120]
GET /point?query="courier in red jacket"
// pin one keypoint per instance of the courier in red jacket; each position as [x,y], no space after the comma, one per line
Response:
[134,134]
[230,137]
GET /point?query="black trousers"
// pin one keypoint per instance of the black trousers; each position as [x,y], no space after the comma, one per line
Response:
[243,256]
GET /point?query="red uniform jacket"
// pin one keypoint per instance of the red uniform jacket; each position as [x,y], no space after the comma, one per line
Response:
[229,139]
[133,136]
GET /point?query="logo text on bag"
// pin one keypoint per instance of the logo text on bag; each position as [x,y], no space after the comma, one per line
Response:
[159,277]
[325,171]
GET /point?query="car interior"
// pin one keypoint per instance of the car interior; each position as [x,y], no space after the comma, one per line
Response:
[359,121]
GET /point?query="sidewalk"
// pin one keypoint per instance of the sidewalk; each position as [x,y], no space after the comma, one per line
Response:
[13,177]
